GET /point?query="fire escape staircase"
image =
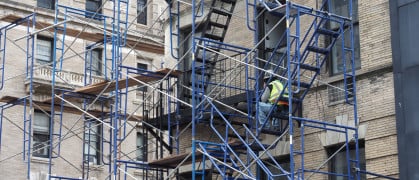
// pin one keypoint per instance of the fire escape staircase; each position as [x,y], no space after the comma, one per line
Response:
[214,30]
[304,65]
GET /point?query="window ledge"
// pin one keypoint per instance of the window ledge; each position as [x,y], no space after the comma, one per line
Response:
[41,160]
[358,72]
[94,167]
[141,25]
[343,101]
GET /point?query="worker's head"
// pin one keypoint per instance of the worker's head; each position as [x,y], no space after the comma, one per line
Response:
[269,75]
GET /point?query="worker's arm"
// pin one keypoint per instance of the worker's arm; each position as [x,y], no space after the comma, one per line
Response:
[266,94]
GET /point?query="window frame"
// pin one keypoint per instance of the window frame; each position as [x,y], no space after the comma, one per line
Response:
[99,63]
[336,95]
[41,61]
[41,4]
[334,59]
[46,134]
[98,142]
[142,12]
[332,164]
[90,12]
[142,88]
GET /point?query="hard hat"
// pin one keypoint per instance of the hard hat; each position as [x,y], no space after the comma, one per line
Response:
[268,74]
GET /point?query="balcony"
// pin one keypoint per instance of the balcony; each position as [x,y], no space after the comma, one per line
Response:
[42,78]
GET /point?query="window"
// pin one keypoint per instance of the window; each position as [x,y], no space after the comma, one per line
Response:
[338,164]
[92,136]
[141,67]
[284,162]
[94,61]
[41,138]
[340,7]
[141,147]
[49,4]
[94,9]
[44,51]
[142,12]
[336,93]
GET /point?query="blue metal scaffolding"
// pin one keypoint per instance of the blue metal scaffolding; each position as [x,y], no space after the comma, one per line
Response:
[103,109]
[298,64]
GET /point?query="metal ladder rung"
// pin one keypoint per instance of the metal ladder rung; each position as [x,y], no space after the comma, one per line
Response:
[229,1]
[221,12]
[216,24]
[318,49]
[328,32]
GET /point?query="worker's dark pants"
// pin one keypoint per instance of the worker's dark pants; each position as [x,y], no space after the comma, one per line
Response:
[263,111]
[283,110]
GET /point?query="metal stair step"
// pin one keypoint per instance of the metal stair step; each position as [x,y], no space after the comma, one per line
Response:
[309,67]
[229,1]
[302,84]
[318,49]
[231,135]
[328,32]
[212,23]
[271,132]
[221,12]
[202,60]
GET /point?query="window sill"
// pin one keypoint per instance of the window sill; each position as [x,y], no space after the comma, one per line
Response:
[94,167]
[41,160]
[343,101]
[358,72]
[141,25]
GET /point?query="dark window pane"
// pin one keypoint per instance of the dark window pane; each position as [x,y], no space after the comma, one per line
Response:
[94,62]
[337,53]
[341,7]
[40,144]
[49,4]
[41,138]
[141,67]
[339,163]
[92,142]
[93,6]
[142,12]
[141,143]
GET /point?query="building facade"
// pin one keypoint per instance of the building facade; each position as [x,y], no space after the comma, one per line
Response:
[74,144]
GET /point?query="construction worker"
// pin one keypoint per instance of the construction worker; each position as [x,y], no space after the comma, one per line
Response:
[269,97]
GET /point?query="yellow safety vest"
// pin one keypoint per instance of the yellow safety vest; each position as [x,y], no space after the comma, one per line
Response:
[276,90]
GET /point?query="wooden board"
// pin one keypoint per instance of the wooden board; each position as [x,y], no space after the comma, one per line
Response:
[105,87]
[47,107]
[94,37]
[8,99]
[173,161]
